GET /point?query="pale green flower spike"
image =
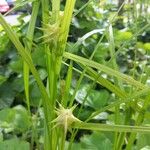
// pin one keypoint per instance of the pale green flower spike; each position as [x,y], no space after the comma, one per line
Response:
[65,117]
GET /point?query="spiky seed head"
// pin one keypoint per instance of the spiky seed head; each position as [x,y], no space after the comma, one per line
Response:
[65,117]
[51,33]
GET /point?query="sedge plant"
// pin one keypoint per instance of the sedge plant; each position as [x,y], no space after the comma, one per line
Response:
[58,112]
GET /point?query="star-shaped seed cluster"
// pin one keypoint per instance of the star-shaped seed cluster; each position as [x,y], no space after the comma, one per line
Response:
[65,117]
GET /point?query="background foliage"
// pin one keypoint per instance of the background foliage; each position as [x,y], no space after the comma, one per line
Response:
[129,54]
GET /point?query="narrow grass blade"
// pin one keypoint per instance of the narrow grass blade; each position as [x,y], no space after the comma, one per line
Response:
[105,69]
[28,44]
[67,86]
[64,31]
[111,128]
[27,58]
[135,95]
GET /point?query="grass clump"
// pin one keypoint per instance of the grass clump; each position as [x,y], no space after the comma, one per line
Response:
[125,92]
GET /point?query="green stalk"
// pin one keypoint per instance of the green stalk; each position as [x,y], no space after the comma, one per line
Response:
[45,11]
[135,95]
[84,71]
[64,31]
[48,144]
[66,90]
[139,120]
[129,113]
[122,136]
[53,58]
[105,69]
[27,58]
[55,10]
[29,37]
[28,45]
[116,81]
[80,109]
[93,53]
[63,139]
[79,82]
[54,51]
[111,128]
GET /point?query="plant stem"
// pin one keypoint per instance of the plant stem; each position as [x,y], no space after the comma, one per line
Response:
[27,58]
[106,69]
[138,122]
[28,44]
[110,128]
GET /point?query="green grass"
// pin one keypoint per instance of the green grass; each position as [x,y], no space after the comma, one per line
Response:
[55,31]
